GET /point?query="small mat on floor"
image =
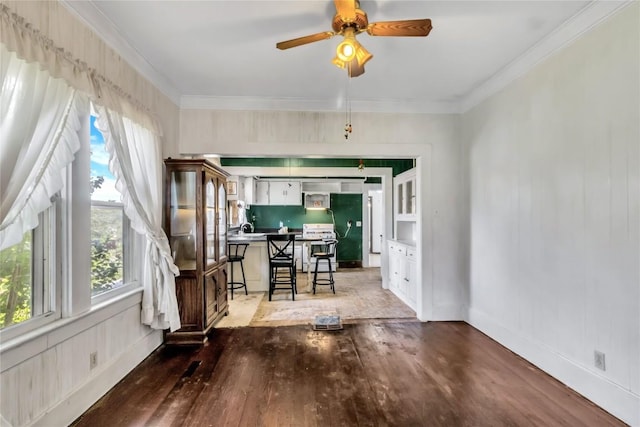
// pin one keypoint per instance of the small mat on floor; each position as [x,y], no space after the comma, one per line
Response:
[327,322]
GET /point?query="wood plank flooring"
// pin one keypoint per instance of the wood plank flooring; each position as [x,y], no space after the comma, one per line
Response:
[371,373]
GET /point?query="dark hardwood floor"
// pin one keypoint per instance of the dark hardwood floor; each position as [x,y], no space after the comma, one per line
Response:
[372,373]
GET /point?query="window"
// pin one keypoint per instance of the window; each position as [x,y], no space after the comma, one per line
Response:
[109,224]
[27,278]
[31,284]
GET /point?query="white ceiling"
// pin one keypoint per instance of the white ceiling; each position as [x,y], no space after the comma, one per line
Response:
[222,54]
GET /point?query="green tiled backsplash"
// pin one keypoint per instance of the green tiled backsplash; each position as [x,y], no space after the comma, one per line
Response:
[398,165]
[344,206]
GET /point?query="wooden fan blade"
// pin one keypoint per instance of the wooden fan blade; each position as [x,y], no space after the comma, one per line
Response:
[407,28]
[305,40]
[346,9]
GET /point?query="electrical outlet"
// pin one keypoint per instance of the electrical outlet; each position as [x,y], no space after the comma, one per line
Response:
[598,360]
[93,360]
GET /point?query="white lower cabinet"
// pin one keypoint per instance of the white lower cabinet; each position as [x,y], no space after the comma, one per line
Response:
[402,272]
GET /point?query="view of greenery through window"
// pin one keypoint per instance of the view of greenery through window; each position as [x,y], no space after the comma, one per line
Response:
[107,219]
[15,282]
[17,287]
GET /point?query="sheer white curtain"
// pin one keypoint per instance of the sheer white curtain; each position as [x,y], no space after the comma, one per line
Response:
[39,127]
[136,163]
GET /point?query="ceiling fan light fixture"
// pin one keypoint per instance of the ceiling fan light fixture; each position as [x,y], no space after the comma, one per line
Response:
[362,55]
[350,21]
[348,47]
[346,50]
[338,62]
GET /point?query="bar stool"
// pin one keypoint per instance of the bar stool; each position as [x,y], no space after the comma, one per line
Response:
[325,254]
[236,255]
[282,263]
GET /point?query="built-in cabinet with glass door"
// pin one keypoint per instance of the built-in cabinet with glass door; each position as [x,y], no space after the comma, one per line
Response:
[402,249]
[196,225]
[405,206]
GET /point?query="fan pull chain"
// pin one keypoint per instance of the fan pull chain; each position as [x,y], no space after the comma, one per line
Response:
[347,127]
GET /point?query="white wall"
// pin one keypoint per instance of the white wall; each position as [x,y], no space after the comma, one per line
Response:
[554,166]
[432,138]
[45,378]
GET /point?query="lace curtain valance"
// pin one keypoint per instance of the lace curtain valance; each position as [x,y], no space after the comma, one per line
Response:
[34,47]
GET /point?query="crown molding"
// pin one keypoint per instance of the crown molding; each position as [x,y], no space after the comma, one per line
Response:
[299,104]
[589,17]
[91,16]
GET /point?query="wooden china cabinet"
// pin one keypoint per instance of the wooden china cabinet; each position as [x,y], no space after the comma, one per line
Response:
[196,225]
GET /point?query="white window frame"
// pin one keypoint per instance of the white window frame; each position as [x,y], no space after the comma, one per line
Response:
[45,276]
[129,273]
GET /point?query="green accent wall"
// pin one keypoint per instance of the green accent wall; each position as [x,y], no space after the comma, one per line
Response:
[348,207]
[397,165]
[344,207]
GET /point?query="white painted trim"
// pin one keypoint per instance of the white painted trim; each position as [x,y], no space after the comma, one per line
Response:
[590,16]
[93,18]
[16,351]
[97,385]
[603,392]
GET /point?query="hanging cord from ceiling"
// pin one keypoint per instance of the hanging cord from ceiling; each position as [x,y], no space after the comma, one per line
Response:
[335,228]
[347,109]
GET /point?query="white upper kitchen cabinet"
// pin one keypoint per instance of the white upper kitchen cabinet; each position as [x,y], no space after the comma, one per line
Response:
[248,189]
[261,196]
[285,193]
[278,193]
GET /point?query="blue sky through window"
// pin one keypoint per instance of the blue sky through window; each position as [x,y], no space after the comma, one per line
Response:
[100,167]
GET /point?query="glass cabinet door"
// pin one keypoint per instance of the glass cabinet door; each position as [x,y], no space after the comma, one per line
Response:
[210,220]
[410,198]
[182,211]
[222,219]
[401,198]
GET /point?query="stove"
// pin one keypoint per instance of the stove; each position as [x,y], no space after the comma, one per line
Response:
[320,232]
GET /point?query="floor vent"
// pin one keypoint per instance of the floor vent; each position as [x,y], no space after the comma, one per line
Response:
[327,322]
[191,369]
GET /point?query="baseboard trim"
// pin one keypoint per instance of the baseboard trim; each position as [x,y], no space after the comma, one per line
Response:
[603,392]
[74,405]
[443,313]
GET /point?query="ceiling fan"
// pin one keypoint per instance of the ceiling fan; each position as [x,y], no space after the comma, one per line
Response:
[350,21]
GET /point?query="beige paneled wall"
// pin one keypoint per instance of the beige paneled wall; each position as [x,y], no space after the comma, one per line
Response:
[554,165]
[57,23]
[238,132]
[432,136]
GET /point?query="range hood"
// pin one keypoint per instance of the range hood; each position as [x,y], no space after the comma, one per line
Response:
[316,201]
